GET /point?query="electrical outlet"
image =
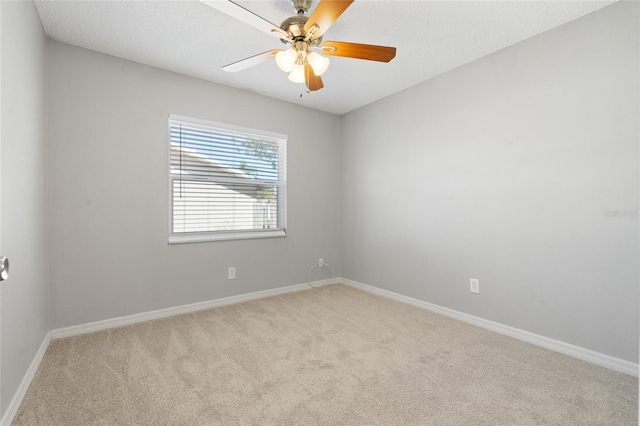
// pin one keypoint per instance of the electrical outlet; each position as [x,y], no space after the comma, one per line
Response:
[321,262]
[474,285]
[231,273]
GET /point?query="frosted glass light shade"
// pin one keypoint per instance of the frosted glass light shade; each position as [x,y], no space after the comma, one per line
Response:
[297,74]
[318,62]
[286,59]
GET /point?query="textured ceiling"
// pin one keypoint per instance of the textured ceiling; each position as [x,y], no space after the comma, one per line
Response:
[191,38]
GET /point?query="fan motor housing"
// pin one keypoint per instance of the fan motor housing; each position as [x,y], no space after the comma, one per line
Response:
[294,26]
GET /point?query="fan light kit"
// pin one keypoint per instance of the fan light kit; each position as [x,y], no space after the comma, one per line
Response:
[293,61]
[303,37]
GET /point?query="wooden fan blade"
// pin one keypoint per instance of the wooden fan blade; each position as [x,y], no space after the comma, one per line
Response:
[246,16]
[251,61]
[325,14]
[369,52]
[314,82]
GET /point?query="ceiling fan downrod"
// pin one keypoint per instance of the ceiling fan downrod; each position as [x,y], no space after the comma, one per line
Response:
[301,6]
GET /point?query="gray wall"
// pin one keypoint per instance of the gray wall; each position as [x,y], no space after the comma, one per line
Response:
[108,180]
[24,296]
[502,170]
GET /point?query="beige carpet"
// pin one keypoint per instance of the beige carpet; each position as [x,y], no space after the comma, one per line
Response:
[327,356]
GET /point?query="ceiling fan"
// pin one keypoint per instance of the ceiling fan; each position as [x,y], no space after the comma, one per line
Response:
[303,36]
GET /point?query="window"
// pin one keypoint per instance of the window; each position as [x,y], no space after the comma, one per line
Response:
[225,182]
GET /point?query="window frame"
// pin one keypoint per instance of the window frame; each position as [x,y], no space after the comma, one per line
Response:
[203,236]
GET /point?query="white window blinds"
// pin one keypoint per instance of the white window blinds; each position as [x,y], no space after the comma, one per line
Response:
[226,180]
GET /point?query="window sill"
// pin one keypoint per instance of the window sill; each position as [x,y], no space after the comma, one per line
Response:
[200,238]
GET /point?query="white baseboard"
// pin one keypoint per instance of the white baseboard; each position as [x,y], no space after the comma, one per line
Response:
[177,310]
[612,363]
[14,405]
